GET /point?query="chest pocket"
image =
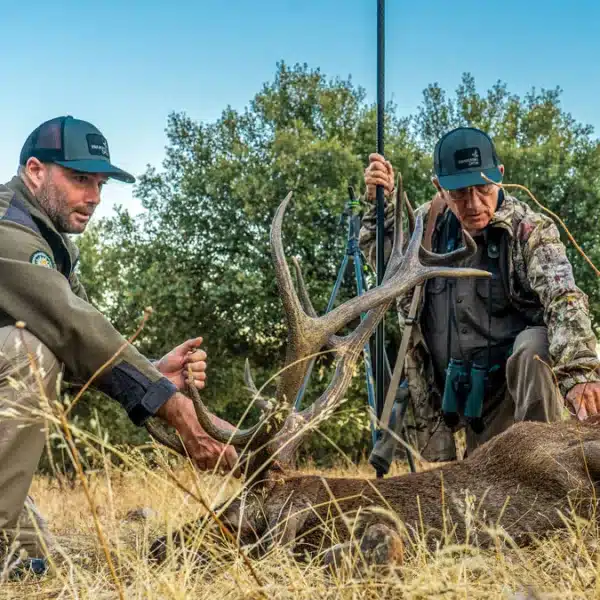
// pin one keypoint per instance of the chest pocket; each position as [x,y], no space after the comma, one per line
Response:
[500,302]
[436,306]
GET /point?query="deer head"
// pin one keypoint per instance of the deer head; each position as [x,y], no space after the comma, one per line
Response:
[273,441]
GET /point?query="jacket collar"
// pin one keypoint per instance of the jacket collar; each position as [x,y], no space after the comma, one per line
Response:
[17,185]
[503,217]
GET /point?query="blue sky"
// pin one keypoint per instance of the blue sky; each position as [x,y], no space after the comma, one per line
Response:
[126,65]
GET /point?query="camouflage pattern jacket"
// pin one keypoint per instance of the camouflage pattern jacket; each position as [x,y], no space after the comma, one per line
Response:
[541,285]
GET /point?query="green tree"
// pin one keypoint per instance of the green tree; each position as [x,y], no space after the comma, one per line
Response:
[200,255]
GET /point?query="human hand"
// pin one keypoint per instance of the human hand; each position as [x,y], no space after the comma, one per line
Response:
[174,365]
[585,399]
[204,451]
[379,172]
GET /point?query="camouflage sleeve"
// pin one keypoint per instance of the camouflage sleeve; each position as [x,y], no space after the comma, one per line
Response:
[566,310]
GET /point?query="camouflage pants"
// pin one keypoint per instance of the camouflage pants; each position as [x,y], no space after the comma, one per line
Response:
[22,438]
[528,394]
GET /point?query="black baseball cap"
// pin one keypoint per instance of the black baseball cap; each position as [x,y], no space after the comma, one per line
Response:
[72,143]
[462,155]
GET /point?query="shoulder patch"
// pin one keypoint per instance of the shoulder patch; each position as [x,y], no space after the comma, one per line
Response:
[42,259]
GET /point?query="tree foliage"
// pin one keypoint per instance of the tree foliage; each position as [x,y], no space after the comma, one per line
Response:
[200,254]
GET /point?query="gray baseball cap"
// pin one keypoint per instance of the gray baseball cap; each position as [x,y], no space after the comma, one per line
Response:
[461,155]
[72,143]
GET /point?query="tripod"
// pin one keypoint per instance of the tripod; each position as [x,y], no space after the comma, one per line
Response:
[352,213]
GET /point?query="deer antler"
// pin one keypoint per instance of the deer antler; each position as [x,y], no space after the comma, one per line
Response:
[263,404]
[403,272]
[308,333]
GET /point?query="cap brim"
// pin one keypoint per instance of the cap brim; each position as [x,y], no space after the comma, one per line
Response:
[463,180]
[97,166]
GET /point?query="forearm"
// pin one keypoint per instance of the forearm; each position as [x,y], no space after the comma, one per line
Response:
[81,337]
[572,342]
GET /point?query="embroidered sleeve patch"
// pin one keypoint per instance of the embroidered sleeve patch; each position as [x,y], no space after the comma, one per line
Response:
[42,259]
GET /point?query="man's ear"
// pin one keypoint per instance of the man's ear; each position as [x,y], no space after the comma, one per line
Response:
[35,173]
[501,169]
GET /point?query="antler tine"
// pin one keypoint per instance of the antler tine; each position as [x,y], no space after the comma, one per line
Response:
[305,300]
[161,434]
[411,214]
[413,267]
[292,305]
[396,255]
[263,404]
[431,259]
[399,220]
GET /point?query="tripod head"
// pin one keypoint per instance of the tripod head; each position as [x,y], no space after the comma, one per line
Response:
[352,206]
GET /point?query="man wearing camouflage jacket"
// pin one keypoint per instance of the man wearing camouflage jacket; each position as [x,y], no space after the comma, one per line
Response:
[63,166]
[529,324]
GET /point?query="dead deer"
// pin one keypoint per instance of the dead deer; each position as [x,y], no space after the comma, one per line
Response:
[525,480]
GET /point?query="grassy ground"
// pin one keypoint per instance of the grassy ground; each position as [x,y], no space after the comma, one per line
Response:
[564,566]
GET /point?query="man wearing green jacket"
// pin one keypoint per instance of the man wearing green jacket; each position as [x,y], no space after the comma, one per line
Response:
[63,165]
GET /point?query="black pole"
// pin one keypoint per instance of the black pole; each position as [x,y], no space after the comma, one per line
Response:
[379,334]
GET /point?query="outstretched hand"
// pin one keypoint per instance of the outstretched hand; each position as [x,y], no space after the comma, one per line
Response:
[205,452]
[174,365]
[585,399]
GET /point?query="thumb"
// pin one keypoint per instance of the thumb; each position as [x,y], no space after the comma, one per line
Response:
[191,344]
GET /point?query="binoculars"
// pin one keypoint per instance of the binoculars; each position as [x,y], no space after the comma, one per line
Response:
[464,391]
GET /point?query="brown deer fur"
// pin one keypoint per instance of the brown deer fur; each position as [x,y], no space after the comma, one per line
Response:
[526,481]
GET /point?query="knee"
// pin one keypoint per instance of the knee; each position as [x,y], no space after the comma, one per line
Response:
[531,344]
[27,359]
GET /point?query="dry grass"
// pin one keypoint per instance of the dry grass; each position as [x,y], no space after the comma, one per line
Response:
[564,566]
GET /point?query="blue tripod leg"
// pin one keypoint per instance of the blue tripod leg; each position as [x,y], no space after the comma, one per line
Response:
[358,270]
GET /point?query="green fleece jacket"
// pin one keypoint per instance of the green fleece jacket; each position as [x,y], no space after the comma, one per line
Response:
[38,285]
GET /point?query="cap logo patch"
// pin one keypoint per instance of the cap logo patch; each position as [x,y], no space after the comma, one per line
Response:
[97,145]
[42,259]
[467,158]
